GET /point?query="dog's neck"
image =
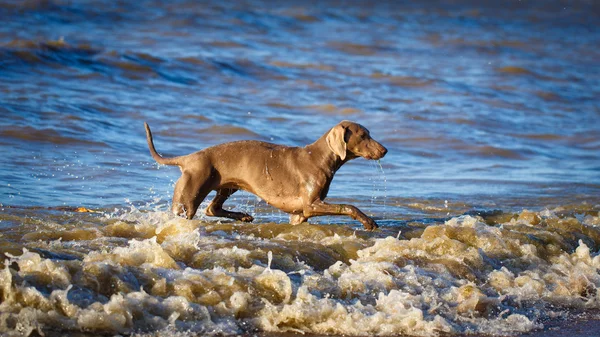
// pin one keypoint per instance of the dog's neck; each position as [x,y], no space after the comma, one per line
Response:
[325,157]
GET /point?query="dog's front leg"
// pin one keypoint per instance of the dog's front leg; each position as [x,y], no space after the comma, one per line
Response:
[319,207]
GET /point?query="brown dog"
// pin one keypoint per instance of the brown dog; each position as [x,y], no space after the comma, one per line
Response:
[294,179]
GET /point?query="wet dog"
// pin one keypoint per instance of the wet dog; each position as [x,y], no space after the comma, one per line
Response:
[293,179]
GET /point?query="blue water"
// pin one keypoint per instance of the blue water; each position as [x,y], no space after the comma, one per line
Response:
[470,100]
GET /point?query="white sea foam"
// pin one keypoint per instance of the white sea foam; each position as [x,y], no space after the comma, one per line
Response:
[168,276]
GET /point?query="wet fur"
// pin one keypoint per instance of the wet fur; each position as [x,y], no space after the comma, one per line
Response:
[294,179]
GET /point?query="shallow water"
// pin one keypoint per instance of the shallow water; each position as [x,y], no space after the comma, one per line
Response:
[488,198]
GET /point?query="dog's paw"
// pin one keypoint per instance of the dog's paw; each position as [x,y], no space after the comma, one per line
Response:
[369,224]
[246,218]
[296,219]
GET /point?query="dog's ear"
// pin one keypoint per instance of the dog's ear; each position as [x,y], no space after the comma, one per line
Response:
[336,141]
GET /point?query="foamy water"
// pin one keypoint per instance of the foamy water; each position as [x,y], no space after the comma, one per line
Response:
[150,273]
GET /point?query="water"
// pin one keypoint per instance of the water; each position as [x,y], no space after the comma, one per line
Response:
[488,199]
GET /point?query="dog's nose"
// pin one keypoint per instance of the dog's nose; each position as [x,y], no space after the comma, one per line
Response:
[383,151]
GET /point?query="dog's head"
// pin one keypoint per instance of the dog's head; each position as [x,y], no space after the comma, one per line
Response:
[349,140]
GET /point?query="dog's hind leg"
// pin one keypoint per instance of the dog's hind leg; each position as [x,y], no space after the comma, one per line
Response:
[190,190]
[216,207]
[178,205]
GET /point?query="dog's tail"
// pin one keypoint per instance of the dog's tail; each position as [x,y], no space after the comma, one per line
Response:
[160,159]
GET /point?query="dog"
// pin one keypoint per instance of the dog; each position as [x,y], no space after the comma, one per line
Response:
[295,180]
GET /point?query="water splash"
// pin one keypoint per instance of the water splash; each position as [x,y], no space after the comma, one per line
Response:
[269,261]
[216,275]
[377,190]
[384,187]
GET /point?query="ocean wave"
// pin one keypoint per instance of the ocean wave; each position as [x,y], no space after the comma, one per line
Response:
[149,272]
[20,55]
[52,136]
